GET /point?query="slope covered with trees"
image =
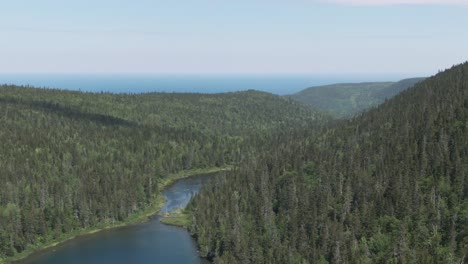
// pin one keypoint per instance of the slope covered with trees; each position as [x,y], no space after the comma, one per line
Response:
[71,161]
[389,186]
[348,99]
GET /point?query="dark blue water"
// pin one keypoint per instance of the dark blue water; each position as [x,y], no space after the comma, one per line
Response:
[151,242]
[142,83]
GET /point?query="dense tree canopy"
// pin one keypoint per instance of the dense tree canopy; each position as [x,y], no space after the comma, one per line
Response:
[72,160]
[389,186]
[345,100]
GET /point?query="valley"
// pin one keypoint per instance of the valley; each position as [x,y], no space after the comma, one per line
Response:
[301,186]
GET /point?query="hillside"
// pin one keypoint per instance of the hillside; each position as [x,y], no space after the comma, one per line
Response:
[230,113]
[74,161]
[389,186]
[348,99]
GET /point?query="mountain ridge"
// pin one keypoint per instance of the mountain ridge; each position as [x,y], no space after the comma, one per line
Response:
[388,186]
[344,100]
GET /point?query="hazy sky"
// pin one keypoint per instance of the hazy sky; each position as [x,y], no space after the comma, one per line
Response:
[243,36]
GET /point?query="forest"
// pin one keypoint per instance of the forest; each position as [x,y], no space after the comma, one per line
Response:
[71,161]
[388,186]
[346,100]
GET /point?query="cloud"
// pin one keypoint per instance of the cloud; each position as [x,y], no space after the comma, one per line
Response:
[399,2]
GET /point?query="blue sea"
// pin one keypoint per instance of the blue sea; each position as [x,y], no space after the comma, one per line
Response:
[144,83]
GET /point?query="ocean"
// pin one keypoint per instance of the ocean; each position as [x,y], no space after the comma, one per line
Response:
[144,83]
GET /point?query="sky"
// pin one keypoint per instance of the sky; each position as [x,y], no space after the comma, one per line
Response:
[418,37]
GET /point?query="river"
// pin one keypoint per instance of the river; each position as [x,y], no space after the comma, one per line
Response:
[149,242]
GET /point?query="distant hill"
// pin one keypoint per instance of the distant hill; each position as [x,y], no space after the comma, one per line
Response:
[348,99]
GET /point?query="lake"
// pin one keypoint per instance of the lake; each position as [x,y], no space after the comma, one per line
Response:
[150,242]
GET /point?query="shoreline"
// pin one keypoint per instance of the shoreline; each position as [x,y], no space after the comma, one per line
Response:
[141,217]
[179,218]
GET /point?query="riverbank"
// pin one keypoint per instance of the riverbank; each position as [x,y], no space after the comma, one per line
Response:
[179,218]
[141,217]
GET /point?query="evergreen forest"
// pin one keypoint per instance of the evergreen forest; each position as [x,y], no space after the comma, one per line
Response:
[345,100]
[386,186]
[72,161]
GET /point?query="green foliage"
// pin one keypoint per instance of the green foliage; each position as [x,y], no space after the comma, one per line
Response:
[389,186]
[310,174]
[178,218]
[348,99]
[74,161]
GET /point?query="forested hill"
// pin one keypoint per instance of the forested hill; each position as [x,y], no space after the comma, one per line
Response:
[229,113]
[348,99]
[72,161]
[390,186]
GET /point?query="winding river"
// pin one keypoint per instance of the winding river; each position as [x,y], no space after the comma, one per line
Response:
[150,242]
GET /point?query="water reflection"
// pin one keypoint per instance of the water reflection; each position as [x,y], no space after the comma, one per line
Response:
[151,242]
